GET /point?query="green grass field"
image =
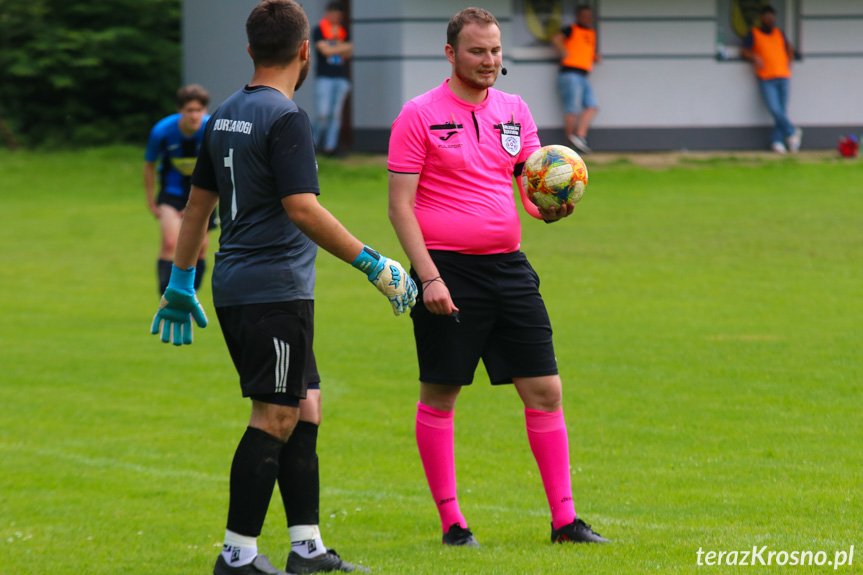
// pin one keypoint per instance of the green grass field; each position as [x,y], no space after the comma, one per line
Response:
[707,322]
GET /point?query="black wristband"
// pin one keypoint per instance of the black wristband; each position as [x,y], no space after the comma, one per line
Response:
[426,283]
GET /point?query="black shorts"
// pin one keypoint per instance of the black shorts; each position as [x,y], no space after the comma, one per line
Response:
[502,320]
[271,345]
[179,204]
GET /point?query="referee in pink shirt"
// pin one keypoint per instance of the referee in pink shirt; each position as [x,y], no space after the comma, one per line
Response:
[452,156]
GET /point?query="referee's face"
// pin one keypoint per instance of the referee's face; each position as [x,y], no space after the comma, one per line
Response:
[477,59]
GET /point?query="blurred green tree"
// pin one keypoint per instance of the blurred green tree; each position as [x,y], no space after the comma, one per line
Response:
[86,73]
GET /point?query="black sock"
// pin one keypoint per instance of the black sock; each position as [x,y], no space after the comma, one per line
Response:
[253,476]
[200,268]
[299,482]
[163,269]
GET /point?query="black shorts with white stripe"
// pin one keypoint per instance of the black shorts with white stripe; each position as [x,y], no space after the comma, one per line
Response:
[271,346]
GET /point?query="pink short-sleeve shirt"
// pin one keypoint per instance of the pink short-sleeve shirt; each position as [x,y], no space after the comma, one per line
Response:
[465,155]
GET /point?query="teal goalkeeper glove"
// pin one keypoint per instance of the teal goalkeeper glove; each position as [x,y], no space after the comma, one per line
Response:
[179,304]
[389,277]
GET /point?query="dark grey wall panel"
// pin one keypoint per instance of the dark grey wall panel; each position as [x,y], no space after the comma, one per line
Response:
[658,139]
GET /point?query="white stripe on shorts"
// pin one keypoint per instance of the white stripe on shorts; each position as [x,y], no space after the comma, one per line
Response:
[283,353]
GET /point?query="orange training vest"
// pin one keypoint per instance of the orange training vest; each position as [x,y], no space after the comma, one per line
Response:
[331,32]
[580,48]
[771,48]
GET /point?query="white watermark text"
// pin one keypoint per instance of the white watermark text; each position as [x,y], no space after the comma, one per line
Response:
[764,556]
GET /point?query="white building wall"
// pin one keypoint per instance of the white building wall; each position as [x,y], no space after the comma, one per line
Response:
[214,47]
[659,78]
[828,85]
[402,44]
[683,85]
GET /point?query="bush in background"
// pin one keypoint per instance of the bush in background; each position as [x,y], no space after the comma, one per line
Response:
[85,73]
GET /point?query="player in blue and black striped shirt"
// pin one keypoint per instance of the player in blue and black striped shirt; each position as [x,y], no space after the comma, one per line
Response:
[172,150]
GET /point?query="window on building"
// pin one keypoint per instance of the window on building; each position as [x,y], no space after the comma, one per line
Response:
[534,22]
[735,18]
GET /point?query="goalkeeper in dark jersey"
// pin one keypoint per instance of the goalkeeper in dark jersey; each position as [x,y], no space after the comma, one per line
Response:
[257,161]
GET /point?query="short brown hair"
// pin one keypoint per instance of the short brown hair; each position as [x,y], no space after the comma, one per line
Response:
[465,17]
[276,29]
[191,93]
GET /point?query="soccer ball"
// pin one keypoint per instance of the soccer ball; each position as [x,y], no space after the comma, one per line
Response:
[554,175]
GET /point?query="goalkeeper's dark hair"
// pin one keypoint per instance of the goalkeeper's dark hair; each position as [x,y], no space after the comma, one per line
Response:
[192,93]
[465,17]
[276,29]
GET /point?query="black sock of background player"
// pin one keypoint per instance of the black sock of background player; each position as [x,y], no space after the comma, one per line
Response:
[200,268]
[299,480]
[163,269]
[253,477]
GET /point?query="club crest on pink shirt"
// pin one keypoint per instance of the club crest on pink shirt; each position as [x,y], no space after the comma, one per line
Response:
[510,138]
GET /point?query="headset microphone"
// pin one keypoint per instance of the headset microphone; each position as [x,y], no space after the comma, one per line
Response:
[503,70]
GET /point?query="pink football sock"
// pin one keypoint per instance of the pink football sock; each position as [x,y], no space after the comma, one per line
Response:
[435,438]
[548,441]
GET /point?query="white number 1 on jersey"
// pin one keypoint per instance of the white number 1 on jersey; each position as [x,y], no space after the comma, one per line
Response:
[229,163]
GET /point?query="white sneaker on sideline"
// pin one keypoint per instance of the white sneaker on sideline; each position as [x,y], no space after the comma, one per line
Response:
[580,144]
[779,148]
[794,140]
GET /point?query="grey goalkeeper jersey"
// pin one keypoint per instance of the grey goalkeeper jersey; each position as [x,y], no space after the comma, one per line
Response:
[257,149]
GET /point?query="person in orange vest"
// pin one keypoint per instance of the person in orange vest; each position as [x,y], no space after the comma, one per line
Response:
[332,86]
[771,54]
[577,45]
